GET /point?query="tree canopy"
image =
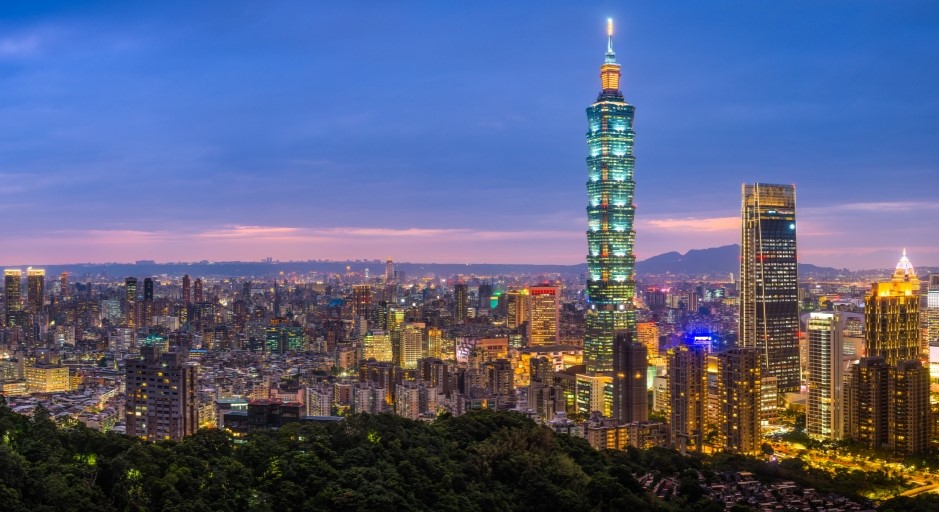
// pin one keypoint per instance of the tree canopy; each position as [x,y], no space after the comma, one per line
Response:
[483,460]
[480,461]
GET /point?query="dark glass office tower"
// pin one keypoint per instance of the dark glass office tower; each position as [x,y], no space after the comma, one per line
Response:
[769,294]
[630,393]
[461,302]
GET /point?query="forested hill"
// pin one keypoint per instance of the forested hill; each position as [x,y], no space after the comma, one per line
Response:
[482,461]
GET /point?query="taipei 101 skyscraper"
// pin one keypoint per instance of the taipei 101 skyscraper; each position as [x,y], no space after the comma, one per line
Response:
[611,282]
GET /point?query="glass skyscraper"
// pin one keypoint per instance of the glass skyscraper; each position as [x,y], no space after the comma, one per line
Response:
[610,213]
[769,296]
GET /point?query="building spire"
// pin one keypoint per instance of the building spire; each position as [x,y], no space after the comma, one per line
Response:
[904,269]
[609,71]
[610,54]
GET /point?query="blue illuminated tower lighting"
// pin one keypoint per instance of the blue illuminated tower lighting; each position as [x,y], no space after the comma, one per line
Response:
[610,213]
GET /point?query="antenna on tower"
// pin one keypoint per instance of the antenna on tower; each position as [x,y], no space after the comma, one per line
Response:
[610,54]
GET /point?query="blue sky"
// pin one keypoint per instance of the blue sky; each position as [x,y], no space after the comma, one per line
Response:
[451,132]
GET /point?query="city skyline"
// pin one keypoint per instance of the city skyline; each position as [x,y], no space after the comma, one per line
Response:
[729,378]
[235,134]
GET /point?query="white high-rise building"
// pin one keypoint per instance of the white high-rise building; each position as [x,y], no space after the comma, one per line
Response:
[824,414]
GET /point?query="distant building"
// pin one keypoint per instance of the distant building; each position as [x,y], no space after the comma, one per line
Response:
[769,401]
[516,308]
[148,289]
[461,302]
[281,337]
[361,300]
[161,396]
[262,415]
[377,345]
[435,345]
[35,286]
[609,435]
[594,393]
[187,290]
[647,333]
[660,398]
[738,390]
[687,391]
[147,307]
[12,280]
[544,307]
[408,400]
[410,346]
[630,389]
[499,378]
[484,295]
[47,378]
[130,303]
[63,285]
[197,293]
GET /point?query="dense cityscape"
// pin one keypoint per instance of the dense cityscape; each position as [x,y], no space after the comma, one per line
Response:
[768,388]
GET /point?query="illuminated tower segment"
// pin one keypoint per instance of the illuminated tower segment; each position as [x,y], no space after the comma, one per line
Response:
[610,213]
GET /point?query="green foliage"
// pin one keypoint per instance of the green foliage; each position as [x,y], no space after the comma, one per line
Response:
[483,460]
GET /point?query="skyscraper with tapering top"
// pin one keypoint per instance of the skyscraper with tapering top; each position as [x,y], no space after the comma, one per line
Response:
[610,213]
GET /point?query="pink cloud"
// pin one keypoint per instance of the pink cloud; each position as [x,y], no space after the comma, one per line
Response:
[248,232]
[693,224]
[293,243]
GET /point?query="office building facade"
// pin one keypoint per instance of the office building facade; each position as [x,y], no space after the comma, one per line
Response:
[769,297]
[630,390]
[544,310]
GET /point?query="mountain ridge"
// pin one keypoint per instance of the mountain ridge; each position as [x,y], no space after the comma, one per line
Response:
[723,260]
[715,261]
